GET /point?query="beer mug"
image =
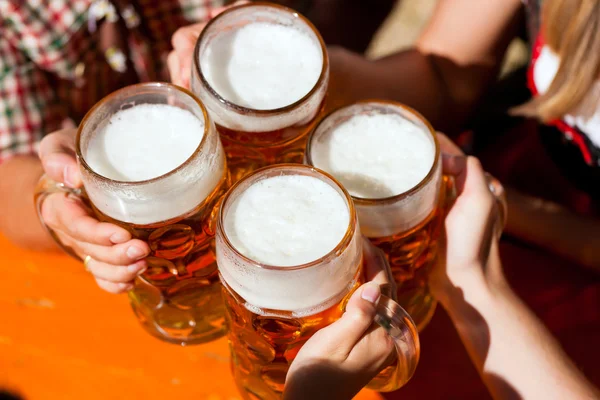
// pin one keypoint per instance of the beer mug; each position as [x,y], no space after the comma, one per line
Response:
[262,72]
[289,253]
[388,157]
[151,162]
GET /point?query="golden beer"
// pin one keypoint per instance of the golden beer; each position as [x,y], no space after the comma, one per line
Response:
[388,157]
[411,255]
[152,162]
[177,298]
[262,71]
[272,310]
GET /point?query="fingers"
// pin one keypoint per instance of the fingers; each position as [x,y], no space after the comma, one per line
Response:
[472,188]
[180,60]
[68,215]
[57,153]
[340,337]
[119,254]
[468,174]
[114,273]
[361,310]
[462,167]
[377,268]
[112,287]
[374,351]
[454,161]
[474,178]
[474,206]
[448,146]
[453,165]
[175,69]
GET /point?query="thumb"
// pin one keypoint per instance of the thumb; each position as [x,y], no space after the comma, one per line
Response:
[57,153]
[341,336]
[362,304]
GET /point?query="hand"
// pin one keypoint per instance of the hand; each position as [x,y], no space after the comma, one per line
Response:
[469,240]
[184,40]
[343,357]
[116,258]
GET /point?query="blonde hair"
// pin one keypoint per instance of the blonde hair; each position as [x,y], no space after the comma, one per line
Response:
[571,28]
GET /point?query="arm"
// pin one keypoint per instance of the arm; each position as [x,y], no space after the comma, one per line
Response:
[18,178]
[30,108]
[554,228]
[445,74]
[512,350]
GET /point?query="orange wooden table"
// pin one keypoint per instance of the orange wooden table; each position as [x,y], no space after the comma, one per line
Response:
[61,337]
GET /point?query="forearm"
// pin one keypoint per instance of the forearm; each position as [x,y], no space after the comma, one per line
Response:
[554,228]
[18,221]
[429,85]
[512,350]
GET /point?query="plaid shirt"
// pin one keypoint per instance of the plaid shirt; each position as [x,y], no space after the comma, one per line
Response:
[59,57]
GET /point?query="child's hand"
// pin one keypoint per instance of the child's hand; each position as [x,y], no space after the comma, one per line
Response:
[342,358]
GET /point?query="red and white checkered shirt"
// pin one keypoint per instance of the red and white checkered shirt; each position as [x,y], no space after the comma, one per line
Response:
[59,57]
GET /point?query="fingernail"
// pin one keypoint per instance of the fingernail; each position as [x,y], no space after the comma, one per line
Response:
[126,287]
[67,176]
[135,252]
[138,268]
[371,293]
[119,237]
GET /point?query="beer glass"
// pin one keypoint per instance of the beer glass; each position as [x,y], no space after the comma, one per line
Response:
[273,309]
[388,158]
[262,71]
[177,298]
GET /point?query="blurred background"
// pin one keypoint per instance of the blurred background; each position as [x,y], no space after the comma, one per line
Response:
[406,22]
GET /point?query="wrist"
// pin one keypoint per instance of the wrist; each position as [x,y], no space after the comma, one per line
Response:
[475,286]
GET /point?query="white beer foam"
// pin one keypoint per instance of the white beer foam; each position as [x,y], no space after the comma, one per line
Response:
[262,66]
[375,155]
[286,221]
[144,142]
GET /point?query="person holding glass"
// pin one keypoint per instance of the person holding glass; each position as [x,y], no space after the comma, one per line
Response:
[511,349]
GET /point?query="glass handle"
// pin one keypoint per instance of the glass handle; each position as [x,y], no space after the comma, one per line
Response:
[403,331]
[495,187]
[500,196]
[45,187]
[448,192]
